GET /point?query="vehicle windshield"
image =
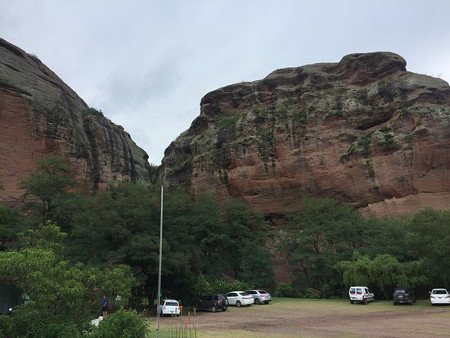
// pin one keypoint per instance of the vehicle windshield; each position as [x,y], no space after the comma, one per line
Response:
[439,292]
[262,292]
[400,291]
[171,303]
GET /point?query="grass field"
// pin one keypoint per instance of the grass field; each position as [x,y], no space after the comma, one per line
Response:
[286,317]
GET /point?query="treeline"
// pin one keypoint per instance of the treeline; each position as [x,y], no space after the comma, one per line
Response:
[330,246]
[207,247]
[120,226]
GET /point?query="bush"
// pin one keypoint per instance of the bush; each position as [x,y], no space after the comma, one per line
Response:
[92,112]
[124,324]
[223,286]
[29,320]
[326,291]
[312,293]
[285,290]
[5,326]
[204,286]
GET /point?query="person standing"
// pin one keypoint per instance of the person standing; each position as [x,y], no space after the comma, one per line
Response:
[105,305]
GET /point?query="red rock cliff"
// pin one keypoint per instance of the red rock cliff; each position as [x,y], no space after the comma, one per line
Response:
[363,130]
[40,114]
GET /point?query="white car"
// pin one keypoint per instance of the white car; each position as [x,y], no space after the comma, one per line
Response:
[360,294]
[169,307]
[239,298]
[439,296]
[260,296]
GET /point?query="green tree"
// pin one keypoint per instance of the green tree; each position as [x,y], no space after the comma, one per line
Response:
[427,238]
[210,237]
[10,225]
[63,296]
[384,272]
[319,236]
[247,257]
[121,226]
[50,179]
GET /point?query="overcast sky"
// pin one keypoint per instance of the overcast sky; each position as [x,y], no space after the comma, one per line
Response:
[147,64]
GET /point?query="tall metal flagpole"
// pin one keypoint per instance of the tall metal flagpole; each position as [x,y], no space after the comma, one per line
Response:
[160,260]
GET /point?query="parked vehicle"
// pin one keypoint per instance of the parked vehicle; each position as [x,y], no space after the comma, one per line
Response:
[212,303]
[403,296]
[169,307]
[360,294]
[260,296]
[239,298]
[439,296]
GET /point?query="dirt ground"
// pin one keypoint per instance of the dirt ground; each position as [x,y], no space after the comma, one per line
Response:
[318,318]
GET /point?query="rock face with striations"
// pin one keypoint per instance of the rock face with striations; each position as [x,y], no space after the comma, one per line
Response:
[363,130]
[40,114]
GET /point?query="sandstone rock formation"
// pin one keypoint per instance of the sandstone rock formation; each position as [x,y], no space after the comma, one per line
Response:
[40,114]
[363,130]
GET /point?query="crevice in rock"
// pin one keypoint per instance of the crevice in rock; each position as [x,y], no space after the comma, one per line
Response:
[92,160]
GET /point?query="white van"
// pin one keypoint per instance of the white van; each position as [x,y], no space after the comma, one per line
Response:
[360,294]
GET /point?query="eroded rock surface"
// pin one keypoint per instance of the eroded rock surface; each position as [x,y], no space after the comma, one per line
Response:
[363,130]
[40,114]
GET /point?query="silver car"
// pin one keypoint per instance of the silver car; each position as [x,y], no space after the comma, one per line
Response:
[260,296]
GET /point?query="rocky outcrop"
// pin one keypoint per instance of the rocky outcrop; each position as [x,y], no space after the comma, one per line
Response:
[40,114]
[363,130]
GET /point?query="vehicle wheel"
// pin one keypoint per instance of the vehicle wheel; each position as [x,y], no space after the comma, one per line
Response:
[178,315]
[395,303]
[365,301]
[224,309]
[238,304]
[213,309]
[257,302]
[351,302]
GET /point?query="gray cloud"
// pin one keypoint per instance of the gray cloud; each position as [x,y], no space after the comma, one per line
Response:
[134,88]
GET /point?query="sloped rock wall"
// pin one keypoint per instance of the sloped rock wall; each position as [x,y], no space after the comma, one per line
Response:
[40,114]
[363,130]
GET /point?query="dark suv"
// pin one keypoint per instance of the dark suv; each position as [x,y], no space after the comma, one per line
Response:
[403,296]
[212,303]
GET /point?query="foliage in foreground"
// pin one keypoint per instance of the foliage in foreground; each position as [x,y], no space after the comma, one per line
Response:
[63,296]
[123,324]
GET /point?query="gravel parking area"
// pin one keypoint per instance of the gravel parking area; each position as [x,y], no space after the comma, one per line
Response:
[320,318]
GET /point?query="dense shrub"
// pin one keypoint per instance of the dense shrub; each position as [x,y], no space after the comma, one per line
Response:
[285,290]
[204,286]
[312,293]
[5,326]
[124,324]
